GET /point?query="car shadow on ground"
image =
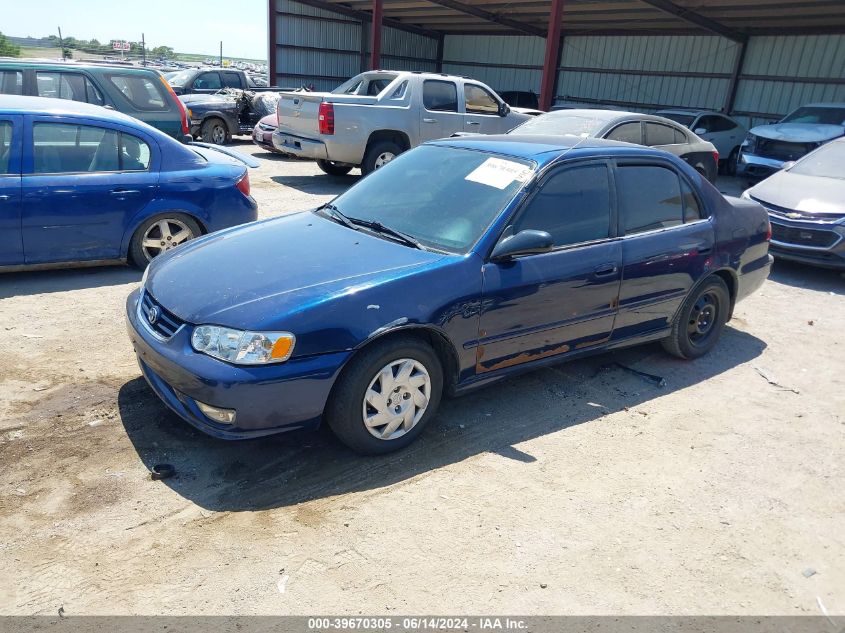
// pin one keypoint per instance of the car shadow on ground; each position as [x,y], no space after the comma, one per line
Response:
[318,184]
[60,280]
[810,277]
[301,466]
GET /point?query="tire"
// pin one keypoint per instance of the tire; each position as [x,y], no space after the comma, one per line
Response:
[334,169]
[408,407]
[214,131]
[700,321]
[379,154]
[153,229]
[730,166]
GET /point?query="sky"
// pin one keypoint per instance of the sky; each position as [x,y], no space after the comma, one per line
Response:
[189,26]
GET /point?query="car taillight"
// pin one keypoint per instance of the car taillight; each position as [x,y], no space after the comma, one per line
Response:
[325,115]
[183,111]
[716,156]
[768,231]
[243,184]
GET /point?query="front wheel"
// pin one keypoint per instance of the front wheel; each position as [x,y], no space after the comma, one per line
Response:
[730,167]
[701,320]
[334,169]
[160,234]
[386,396]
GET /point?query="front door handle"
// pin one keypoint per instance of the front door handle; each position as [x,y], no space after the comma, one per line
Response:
[605,270]
[123,192]
[429,120]
[5,197]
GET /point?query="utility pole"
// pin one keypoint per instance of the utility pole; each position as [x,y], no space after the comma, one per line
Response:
[143,50]
[61,45]
[221,53]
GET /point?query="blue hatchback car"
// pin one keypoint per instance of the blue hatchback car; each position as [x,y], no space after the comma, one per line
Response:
[83,184]
[459,263]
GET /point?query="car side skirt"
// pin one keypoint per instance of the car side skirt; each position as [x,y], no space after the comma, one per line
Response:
[54,265]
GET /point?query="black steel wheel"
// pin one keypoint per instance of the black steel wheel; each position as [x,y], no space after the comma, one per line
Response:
[700,321]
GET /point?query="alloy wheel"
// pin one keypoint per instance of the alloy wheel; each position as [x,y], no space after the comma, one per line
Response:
[384,158]
[164,235]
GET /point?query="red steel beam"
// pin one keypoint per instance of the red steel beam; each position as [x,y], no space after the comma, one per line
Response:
[375,45]
[551,59]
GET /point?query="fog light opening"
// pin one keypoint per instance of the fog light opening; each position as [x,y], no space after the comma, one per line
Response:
[224,416]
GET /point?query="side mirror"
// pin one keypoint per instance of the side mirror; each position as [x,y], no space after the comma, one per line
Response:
[187,139]
[527,242]
[700,130]
[504,109]
[788,165]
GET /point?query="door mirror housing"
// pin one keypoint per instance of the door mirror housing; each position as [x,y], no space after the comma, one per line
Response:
[527,242]
[700,130]
[788,165]
[504,109]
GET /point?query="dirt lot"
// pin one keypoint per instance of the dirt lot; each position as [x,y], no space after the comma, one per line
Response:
[576,489]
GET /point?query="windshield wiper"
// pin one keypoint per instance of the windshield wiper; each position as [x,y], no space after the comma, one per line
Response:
[336,214]
[378,227]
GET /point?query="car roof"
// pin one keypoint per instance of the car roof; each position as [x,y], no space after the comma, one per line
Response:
[13,104]
[73,65]
[543,149]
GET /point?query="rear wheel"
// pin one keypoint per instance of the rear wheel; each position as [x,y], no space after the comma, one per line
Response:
[161,234]
[730,166]
[701,320]
[378,155]
[386,396]
[215,131]
[334,169]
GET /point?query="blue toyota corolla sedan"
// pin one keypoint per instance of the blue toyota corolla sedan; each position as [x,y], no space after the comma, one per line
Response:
[459,263]
[85,185]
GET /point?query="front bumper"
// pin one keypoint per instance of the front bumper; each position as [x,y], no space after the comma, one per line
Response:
[264,140]
[757,167]
[299,146]
[811,243]
[269,399]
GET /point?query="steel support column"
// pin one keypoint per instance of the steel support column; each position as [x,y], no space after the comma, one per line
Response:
[551,58]
[375,44]
[730,98]
[271,57]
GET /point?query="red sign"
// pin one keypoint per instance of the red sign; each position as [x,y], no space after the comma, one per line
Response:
[118,45]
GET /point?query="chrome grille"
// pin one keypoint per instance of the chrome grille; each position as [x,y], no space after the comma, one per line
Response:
[156,319]
[801,216]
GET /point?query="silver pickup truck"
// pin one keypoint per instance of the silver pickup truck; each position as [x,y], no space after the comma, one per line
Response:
[373,117]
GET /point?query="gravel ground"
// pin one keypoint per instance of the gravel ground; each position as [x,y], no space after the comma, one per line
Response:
[577,489]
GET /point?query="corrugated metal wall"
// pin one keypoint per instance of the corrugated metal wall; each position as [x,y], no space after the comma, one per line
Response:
[781,73]
[646,72]
[503,62]
[323,48]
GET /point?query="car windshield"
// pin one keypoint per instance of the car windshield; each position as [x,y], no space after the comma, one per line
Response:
[827,162]
[810,114]
[180,78]
[561,123]
[684,119]
[442,197]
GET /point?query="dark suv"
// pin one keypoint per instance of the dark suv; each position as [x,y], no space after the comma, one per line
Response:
[138,92]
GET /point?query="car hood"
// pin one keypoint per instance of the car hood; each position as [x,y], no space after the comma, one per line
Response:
[799,132]
[808,194]
[253,276]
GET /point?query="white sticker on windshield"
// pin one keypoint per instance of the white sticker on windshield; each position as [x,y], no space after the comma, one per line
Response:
[499,173]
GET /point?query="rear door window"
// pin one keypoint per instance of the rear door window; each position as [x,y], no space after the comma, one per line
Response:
[142,92]
[5,146]
[11,82]
[658,134]
[232,80]
[65,85]
[650,198]
[627,132]
[440,96]
[66,148]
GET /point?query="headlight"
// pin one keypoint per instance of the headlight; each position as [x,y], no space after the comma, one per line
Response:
[750,143]
[144,276]
[243,348]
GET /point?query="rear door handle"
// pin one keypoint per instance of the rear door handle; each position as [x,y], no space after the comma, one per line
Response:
[605,270]
[123,192]
[429,120]
[700,247]
[473,123]
[5,197]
